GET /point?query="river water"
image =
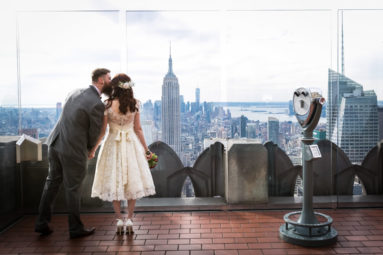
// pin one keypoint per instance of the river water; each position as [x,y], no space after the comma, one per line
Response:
[263,113]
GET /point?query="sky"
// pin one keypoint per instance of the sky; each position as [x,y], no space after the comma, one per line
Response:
[363,48]
[244,56]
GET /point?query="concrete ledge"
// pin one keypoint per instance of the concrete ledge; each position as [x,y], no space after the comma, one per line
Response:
[209,203]
[174,204]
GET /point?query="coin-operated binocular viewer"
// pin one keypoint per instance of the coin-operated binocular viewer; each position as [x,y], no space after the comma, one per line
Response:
[308,230]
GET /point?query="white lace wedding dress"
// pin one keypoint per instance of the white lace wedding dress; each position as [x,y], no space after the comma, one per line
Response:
[122,170]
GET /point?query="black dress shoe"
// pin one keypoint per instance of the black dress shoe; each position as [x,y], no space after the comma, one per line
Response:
[82,233]
[44,231]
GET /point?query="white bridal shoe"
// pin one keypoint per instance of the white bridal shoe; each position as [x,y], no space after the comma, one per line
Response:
[120,227]
[129,226]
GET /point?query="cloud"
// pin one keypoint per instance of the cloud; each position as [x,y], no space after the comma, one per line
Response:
[236,56]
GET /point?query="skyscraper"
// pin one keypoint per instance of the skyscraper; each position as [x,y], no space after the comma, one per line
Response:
[171,122]
[251,130]
[157,108]
[243,126]
[147,111]
[352,116]
[147,127]
[197,98]
[273,130]
[182,103]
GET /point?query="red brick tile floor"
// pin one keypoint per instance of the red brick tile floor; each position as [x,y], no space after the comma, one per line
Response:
[360,231]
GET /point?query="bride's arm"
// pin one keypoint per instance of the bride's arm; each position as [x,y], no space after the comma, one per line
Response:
[140,133]
[92,152]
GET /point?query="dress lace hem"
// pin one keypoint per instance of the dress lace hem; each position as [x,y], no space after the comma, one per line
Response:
[127,196]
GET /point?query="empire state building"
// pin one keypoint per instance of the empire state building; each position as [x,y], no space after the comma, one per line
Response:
[171,122]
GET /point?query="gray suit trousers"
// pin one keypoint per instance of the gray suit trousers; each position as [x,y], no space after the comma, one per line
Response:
[64,170]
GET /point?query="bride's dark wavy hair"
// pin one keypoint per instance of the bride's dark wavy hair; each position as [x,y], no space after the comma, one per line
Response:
[124,96]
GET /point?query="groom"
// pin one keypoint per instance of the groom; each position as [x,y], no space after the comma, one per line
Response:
[75,133]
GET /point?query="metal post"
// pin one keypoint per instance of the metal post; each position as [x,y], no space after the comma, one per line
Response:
[307,215]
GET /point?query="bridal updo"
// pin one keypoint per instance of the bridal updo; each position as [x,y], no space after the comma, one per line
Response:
[121,88]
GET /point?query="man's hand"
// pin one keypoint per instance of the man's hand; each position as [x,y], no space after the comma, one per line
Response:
[91,154]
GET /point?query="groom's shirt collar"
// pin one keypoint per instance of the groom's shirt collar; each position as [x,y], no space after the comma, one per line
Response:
[98,91]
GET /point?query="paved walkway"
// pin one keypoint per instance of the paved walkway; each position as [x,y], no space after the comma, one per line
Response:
[195,233]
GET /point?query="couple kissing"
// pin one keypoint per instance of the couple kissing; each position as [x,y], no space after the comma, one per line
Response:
[122,170]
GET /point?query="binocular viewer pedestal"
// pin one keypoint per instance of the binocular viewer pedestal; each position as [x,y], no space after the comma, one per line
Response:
[307,230]
[308,234]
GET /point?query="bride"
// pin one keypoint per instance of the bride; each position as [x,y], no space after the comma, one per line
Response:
[122,171]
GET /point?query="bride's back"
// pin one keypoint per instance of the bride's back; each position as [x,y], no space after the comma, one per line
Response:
[117,118]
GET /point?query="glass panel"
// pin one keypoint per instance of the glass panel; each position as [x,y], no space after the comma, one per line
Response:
[10,187]
[8,81]
[186,82]
[269,55]
[59,50]
[359,104]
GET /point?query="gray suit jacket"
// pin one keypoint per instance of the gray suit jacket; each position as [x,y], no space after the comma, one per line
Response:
[79,126]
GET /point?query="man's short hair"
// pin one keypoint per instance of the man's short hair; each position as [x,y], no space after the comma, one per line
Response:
[98,73]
